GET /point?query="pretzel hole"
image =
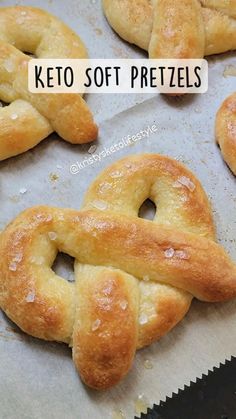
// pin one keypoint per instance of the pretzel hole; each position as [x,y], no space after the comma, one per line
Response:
[147,210]
[63,266]
[3,104]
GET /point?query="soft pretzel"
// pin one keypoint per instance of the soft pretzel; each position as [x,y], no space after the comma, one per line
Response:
[175,28]
[32,117]
[226,131]
[134,279]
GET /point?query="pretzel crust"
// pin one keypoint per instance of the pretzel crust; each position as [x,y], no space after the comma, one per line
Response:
[129,291]
[143,23]
[30,118]
[226,131]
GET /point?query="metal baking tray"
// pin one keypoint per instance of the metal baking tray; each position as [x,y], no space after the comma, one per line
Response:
[38,379]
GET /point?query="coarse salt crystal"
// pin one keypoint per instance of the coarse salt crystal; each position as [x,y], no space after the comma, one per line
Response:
[141,405]
[169,253]
[23,191]
[116,174]
[169,33]
[96,325]
[184,198]
[184,181]
[42,217]
[143,319]
[101,205]
[52,235]
[18,258]
[124,304]
[230,70]
[92,149]
[105,186]
[148,364]
[30,297]
[14,116]
[13,266]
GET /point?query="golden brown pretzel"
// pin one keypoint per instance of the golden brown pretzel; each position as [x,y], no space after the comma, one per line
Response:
[135,279]
[30,118]
[226,130]
[175,28]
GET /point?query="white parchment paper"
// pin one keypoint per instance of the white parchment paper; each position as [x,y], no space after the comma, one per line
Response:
[38,379]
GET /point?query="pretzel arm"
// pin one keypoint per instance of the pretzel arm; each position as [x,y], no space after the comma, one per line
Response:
[106,324]
[178,30]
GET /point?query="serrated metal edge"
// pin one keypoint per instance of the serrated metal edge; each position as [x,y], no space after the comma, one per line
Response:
[186,387]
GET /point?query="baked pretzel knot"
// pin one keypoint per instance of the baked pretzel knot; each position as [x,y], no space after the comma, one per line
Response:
[32,117]
[226,131]
[175,28]
[134,278]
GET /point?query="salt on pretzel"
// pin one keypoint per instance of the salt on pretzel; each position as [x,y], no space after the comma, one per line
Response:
[175,28]
[32,117]
[226,131]
[134,278]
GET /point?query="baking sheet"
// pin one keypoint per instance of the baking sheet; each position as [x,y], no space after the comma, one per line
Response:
[38,379]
